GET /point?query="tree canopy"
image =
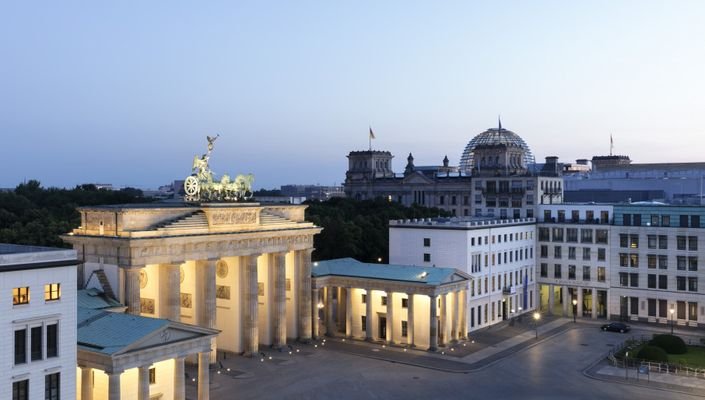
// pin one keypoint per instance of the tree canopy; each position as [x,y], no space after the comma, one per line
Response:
[35,215]
[359,229]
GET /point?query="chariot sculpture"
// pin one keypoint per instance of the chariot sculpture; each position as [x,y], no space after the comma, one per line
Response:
[200,186]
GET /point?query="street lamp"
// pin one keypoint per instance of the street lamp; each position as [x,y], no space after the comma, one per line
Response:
[575,308]
[537,316]
[672,311]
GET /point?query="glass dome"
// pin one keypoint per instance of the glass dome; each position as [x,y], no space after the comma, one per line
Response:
[493,136]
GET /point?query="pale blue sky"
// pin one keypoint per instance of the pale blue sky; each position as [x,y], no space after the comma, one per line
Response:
[124,92]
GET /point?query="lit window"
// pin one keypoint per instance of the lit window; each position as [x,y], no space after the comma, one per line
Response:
[20,295]
[52,291]
[152,376]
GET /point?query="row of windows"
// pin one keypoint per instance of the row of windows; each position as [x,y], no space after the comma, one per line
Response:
[572,272]
[659,308]
[653,281]
[20,295]
[575,216]
[684,221]
[497,309]
[20,389]
[682,262]
[489,212]
[33,339]
[632,241]
[598,236]
[497,258]
[586,253]
[510,279]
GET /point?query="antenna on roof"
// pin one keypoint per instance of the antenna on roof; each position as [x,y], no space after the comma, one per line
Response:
[499,121]
[611,144]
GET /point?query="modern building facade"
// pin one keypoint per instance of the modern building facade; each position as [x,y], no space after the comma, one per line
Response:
[498,255]
[38,322]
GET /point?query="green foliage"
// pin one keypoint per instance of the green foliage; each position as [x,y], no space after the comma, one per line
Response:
[671,344]
[359,229]
[652,353]
[35,215]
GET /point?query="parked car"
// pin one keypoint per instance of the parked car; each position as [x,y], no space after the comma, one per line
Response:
[616,327]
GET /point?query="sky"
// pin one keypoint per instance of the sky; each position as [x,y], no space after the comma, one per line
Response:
[126,92]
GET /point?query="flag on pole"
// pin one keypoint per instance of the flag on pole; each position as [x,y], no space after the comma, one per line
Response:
[372,134]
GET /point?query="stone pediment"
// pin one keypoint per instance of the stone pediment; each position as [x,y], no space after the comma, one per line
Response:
[417,178]
[169,335]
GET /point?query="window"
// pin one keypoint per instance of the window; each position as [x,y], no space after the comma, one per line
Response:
[544,234]
[634,305]
[571,253]
[574,216]
[601,254]
[405,302]
[662,242]
[651,281]
[692,284]
[604,217]
[557,271]
[557,234]
[662,262]
[20,390]
[52,340]
[652,307]
[626,219]
[654,220]
[364,299]
[404,329]
[634,241]
[623,279]
[20,346]
[680,309]
[51,387]
[36,343]
[665,220]
[663,282]
[623,260]
[557,252]
[586,236]
[633,280]
[572,235]
[680,283]
[601,236]
[692,263]
[683,221]
[544,251]
[692,243]
[651,261]
[692,311]
[152,376]
[52,291]
[544,270]
[623,240]
[634,260]
[680,263]
[426,242]
[637,219]
[662,308]
[600,274]
[586,253]
[426,257]
[20,295]
[651,241]
[586,273]
[695,221]
[680,243]
[383,300]
[571,272]
[364,323]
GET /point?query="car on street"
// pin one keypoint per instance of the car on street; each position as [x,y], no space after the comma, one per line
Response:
[616,327]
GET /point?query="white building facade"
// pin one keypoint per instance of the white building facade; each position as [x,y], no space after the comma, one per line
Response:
[38,322]
[498,255]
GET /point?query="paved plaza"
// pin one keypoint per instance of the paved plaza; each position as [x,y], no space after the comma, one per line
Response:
[505,362]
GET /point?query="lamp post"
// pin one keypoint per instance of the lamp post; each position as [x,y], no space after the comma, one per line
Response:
[537,316]
[672,311]
[575,308]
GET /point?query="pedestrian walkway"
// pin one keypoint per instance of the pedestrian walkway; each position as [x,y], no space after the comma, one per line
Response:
[602,370]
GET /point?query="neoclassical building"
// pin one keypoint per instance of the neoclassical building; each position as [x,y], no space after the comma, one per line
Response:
[241,268]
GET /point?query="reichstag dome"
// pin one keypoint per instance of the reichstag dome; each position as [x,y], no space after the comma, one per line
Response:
[494,136]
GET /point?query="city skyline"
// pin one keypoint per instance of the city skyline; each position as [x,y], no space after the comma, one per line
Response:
[105,93]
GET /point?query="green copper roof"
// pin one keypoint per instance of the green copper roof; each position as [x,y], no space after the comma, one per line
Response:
[94,299]
[109,332]
[432,276]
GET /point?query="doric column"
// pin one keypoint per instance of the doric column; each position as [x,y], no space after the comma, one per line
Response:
[170,291]
[348,312]
[330,322]
[551,299]
[594,303]
[390,317]
[203,375]
[143,382]
[132,290]
[410,320]
[464,314]
[204,302]
[369,334]
[303,258]
[86,383]
[456,315]
[315,298]
[566,301]
[279,262]
[433,322]
[179,379]
[114,383]
[443,318]
[340,314]
[251,332]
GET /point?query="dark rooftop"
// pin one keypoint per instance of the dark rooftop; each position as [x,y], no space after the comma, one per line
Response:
[6,248]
